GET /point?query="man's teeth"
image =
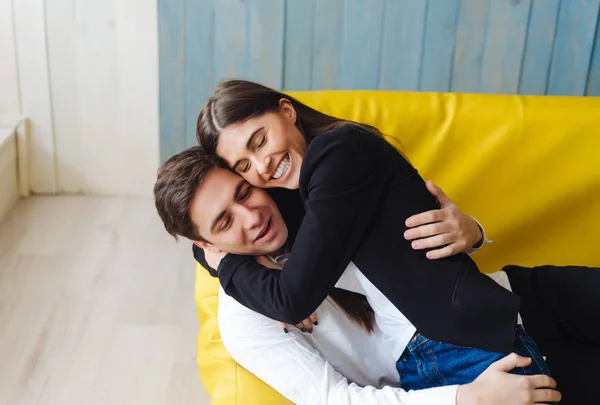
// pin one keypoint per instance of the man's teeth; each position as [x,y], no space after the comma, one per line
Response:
[283,166]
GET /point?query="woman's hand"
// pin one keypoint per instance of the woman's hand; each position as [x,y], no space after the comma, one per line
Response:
[448,228]
[306,325]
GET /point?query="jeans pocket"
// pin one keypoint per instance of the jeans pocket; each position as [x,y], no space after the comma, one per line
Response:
[531,349]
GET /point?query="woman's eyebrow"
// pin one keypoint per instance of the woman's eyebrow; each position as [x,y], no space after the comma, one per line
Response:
[251,138]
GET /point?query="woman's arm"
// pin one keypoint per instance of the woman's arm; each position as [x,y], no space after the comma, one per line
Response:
[343,184]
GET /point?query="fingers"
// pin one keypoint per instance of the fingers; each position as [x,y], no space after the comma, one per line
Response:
[542,381]
[446,251]
[424,231]
[510,362]
[545,396]
[438,193]
[305,326]
[314,319]
[282,326]
[425,218]
[432,242]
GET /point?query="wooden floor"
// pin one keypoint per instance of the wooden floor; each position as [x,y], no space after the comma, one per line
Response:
[96,306]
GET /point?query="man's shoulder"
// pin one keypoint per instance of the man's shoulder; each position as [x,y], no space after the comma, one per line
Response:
[232,315]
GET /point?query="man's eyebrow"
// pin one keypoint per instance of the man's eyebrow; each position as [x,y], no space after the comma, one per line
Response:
[238,189]
[216,221]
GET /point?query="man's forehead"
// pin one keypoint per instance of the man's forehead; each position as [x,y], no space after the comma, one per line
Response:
[215,193]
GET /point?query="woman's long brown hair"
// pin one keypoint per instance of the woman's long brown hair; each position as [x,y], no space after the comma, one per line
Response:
[236,101]
[356,308]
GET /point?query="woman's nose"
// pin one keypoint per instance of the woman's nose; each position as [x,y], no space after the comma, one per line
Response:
[263,167]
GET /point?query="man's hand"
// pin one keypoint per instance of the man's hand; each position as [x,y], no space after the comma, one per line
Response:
[495,386]
[448,227]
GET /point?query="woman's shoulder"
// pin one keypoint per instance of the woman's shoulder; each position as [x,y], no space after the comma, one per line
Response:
[352,143]
[346,134]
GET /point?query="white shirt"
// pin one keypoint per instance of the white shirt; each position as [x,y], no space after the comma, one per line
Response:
[396,329]
[306,368]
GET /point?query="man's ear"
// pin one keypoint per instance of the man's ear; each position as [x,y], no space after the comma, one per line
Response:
[287,109]
[207,246]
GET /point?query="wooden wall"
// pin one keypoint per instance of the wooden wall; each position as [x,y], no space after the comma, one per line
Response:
[484,46]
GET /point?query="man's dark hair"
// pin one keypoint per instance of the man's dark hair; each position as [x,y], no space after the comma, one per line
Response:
[176,184]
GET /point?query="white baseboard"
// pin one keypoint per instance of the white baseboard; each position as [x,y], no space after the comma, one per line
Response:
[9,185]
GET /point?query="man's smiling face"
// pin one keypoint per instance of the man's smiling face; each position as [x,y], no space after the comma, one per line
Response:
[236,217]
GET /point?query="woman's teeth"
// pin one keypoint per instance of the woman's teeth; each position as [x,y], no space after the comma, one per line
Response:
[283,166]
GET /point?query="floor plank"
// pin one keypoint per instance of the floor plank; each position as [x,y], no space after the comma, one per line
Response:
[96,305]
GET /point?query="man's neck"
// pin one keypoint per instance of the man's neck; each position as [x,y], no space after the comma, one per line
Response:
[281,252]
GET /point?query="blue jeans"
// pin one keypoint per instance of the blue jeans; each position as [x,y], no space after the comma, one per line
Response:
[426,363]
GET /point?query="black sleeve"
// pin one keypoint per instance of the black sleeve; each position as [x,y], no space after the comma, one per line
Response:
[199,256]
[342,184]
[291,207]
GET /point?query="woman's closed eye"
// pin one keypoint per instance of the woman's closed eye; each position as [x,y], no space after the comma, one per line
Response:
[242,167]
[260,141]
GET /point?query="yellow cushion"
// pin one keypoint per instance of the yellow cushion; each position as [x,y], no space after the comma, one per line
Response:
[527,167]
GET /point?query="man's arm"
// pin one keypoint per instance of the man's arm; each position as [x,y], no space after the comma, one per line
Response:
[447,229]
[289,364]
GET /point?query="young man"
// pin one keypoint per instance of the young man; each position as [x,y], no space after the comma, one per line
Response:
[199,198]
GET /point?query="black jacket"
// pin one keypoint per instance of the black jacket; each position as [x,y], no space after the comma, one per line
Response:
[357,192]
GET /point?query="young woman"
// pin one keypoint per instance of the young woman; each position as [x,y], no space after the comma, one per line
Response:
[357,192]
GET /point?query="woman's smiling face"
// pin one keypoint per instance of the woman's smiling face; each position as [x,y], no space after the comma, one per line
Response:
[266,150]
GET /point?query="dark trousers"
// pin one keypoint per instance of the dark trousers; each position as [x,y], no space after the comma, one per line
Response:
[561,311]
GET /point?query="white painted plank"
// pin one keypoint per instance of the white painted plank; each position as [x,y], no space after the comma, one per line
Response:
[9,96]
[137,57]
[62,34]
[35,92]
[9,193]
[97,83]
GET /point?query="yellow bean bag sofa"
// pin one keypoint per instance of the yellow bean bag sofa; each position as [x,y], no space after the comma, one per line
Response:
[527,167]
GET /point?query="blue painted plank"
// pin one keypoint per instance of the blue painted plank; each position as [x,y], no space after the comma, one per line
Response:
[199,60]
[265,42]
[231,39]
[504,45]
[538,47]
[573,47]
[298,47]
[361,44]
[468,51]
[593,83]
[327,43]
[404,26]
[171,28]
[440,33]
